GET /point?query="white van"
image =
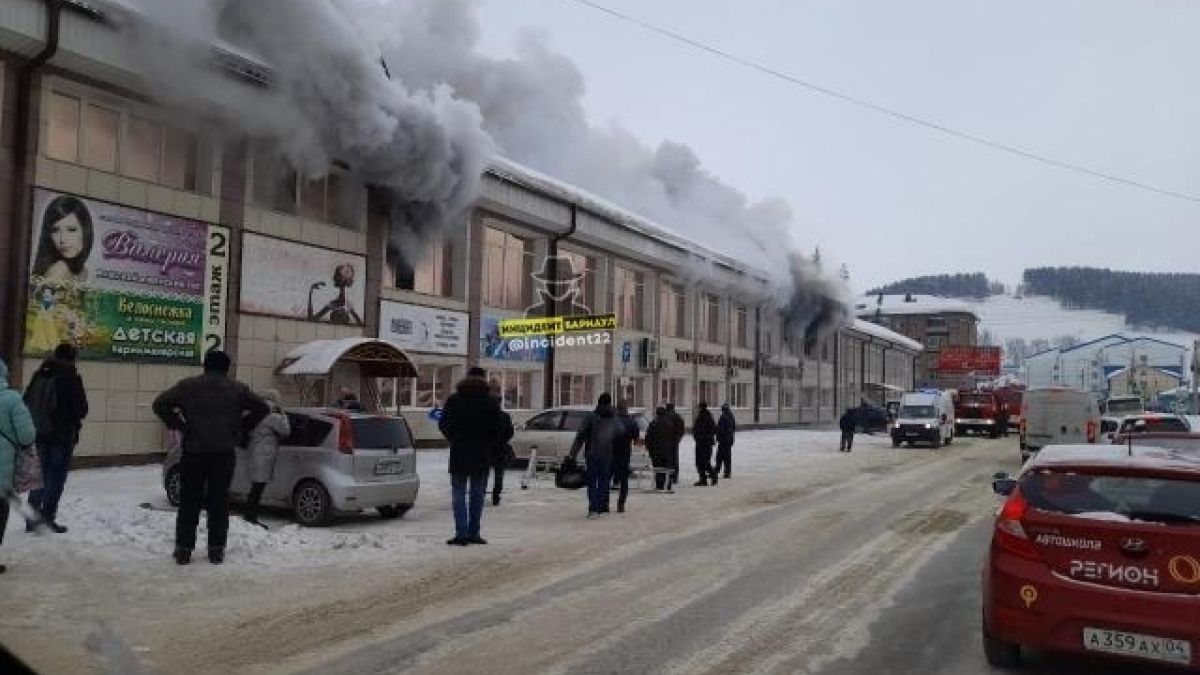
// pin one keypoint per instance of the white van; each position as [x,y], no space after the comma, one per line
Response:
[1057,416]
[924,417]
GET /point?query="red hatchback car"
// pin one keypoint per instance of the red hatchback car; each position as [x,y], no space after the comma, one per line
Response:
[1096,550]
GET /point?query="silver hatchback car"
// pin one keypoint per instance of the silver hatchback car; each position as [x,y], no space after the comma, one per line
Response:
[334,461]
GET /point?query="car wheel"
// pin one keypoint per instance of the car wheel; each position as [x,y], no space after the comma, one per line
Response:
[311,504]
[936,442]
[950,440]
[173,485]
[1001,654]
[393,511]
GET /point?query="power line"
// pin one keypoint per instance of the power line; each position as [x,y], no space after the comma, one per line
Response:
[875,107]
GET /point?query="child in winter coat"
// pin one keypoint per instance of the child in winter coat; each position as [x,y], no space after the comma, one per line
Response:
[16,432]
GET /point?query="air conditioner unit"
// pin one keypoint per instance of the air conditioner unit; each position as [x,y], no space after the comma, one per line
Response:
[649,354]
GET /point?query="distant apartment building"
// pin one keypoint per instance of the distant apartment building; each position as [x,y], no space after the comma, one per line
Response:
[930,320]
[1111,365]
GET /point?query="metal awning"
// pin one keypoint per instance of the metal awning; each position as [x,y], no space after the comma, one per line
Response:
[375,358]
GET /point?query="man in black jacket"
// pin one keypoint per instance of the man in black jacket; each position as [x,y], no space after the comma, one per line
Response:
[726,427]
[58,403]
[599,435]
[848,424]
[213,411]
[658,440]
[475,426]
[677,432]
[704,431]
[502,454]
[623,453]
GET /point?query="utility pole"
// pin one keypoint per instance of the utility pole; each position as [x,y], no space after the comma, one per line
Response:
[1195,377]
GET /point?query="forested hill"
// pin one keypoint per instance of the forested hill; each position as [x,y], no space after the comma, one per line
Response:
[1146,299]
[975,285]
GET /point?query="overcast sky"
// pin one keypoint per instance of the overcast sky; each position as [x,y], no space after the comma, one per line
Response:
[1108,84]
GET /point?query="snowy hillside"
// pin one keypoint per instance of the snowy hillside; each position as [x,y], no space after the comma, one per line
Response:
[1042,318]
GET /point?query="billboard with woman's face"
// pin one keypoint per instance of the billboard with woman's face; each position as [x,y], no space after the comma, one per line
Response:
[124,284]
[295,281]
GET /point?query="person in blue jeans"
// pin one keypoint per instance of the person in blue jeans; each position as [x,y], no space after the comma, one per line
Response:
[598,435]
[58,403]
[476,426]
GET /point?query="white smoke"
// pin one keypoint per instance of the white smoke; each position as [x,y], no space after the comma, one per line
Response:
[428,131]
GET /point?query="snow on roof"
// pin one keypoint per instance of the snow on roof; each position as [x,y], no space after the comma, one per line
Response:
[319,356]
[882,333]
[523,175]
[898,303]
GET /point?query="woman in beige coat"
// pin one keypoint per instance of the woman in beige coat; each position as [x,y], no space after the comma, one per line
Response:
[264,446]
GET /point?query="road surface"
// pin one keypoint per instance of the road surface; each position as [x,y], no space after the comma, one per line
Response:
[817,563]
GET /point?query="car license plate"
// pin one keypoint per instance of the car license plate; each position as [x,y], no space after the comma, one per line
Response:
[388,468]
[1137,645]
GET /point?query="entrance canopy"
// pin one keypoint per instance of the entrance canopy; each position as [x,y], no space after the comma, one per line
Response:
[375,358]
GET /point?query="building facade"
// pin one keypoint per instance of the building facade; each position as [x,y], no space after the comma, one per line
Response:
[932,321]
[146,239]
[1112,365]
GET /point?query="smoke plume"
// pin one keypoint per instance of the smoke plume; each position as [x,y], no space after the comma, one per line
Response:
[399,92]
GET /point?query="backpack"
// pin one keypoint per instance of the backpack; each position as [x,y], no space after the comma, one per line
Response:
[41,397]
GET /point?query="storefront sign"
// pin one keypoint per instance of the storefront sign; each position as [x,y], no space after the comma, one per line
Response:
[963,359]
[423,329]
[124,284]
[699,358]
[295,281]
[556,325]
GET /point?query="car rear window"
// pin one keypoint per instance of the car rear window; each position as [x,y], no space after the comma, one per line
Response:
[1133,497]
[380,433]
[307,432]
[1154,424]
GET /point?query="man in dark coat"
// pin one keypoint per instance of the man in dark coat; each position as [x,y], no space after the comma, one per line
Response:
[623,452]
[502,454]
[213,411]
[848,424]
[678,431]
[599,435]
[58,403]
[658,441]
[726,428]
[704,431]
[475,426]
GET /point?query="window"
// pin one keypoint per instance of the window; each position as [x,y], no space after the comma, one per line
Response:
[710,392]
[572,389]
[672,301]
[710,318]
[630,291]
[581,264]
[100,137]
[632,391]
[768,396]
[332,198]
[505,269]
[143,149]
[179,160]
[549,421]
[937,324]
[516,388]
[432,386]
[741,337]
[936,340]
[789,397]
[739,395]
[673,391]
[808,397]
[432,275]
[768,341]
[62,132]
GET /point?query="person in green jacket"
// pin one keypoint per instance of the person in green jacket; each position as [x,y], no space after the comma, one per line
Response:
[16,432]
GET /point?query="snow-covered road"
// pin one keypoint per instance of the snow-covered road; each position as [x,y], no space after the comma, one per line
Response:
[782,569]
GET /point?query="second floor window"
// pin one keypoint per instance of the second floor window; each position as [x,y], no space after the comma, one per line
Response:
[630,290]
[332,198]
[505,270]
[741,337]
[710,318]
[672,311]
[433,273]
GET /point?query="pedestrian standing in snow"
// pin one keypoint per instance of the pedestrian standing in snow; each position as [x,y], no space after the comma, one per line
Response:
[704,431]
[658,441]
[474,424]
[16,431]
[677,432]
[598,437]
[848,424]
[726,428]
[213,411]
[58,403]
[623,452]
[502,454]
[264,448]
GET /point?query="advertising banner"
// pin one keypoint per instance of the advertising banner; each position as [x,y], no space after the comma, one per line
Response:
[493,346]
[307,283]
[962,359]
[423,329]
[123,284]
